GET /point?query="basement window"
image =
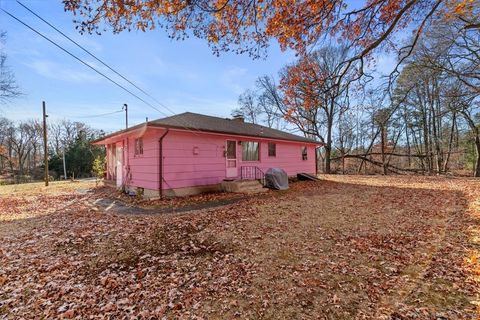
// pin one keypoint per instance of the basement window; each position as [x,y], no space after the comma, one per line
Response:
[138,146]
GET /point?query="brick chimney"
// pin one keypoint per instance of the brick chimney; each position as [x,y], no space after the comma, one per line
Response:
[239,118]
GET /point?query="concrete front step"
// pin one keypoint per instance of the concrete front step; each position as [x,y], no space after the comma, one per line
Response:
[242,186]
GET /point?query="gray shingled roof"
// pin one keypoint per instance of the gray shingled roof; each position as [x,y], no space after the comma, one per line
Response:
[201,122]
[195,121]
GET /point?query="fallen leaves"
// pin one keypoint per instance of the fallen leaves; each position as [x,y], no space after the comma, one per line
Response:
[346,247]
[30,200]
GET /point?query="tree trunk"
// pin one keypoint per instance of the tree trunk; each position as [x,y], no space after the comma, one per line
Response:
[476,171]
[450,143]
[409,148]
[436,141]
[383,138]
[327,159]
[426,143]
[328,147]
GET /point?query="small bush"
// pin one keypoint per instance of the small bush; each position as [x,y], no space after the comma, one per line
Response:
[98,167]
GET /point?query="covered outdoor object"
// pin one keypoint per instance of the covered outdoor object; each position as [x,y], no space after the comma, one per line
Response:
[276,178]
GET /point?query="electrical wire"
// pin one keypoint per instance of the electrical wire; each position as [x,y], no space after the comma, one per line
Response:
[84,63]
[100,115]
[88,52]
[186,125]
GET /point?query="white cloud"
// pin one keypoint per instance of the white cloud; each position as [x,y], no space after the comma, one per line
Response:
[53,70]
[88,43]
[230,78]
[170,70]
[385,64]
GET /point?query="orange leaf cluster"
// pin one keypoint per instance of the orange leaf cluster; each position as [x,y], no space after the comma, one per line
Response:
[248,26]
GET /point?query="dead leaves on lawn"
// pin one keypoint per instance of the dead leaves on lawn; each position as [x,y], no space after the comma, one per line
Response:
[343,248]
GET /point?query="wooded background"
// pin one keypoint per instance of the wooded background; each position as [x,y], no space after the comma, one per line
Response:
[420,117]
[21,150]
[424,118]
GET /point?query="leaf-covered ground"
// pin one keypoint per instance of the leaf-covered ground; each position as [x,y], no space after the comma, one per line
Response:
[346,247]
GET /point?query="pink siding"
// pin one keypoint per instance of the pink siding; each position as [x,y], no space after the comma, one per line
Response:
[183,168]
[196,158]
[144,167]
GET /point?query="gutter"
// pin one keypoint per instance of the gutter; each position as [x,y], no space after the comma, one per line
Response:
[160,163]
[149,125]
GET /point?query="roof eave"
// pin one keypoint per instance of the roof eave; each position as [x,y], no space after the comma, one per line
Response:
[233,134]
[102,140]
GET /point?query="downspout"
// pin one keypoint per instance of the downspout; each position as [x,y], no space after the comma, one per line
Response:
[160,164]
[124,168]
[317,148]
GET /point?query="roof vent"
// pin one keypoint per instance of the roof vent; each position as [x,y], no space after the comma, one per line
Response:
[239,118]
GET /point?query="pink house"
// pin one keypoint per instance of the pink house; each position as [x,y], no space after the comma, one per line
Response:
[191,153]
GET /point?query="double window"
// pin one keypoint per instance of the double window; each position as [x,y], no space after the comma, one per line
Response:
[250,151]
[138,146]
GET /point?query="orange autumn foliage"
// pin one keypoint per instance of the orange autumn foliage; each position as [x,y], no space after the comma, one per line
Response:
[248,26]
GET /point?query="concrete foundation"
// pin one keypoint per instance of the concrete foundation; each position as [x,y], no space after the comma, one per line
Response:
[240,186]
[170,193]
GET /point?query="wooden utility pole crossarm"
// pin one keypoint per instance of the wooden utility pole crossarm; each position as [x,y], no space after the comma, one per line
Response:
[45,144]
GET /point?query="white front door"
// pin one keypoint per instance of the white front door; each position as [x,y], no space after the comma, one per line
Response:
[231,159]
[119,164]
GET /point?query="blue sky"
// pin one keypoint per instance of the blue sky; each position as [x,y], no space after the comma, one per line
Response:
[183,75]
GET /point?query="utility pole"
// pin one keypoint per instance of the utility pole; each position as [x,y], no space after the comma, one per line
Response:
[64,165]
[125,107]
[45,145]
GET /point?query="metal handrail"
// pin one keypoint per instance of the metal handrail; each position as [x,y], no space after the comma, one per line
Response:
[252,173]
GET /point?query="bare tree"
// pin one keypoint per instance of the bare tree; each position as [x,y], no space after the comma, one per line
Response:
[63,134]
[262,105]
[271,102]
[249,107]
[315,92]
[8,86]
[345,135]
[5,150]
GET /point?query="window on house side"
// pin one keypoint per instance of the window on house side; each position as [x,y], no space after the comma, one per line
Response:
[250,151]
[138,146]
[304,153]
[272,149]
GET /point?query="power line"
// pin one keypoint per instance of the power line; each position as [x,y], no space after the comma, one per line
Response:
[100,115]
[88,52]
[188,126]
[84,63]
